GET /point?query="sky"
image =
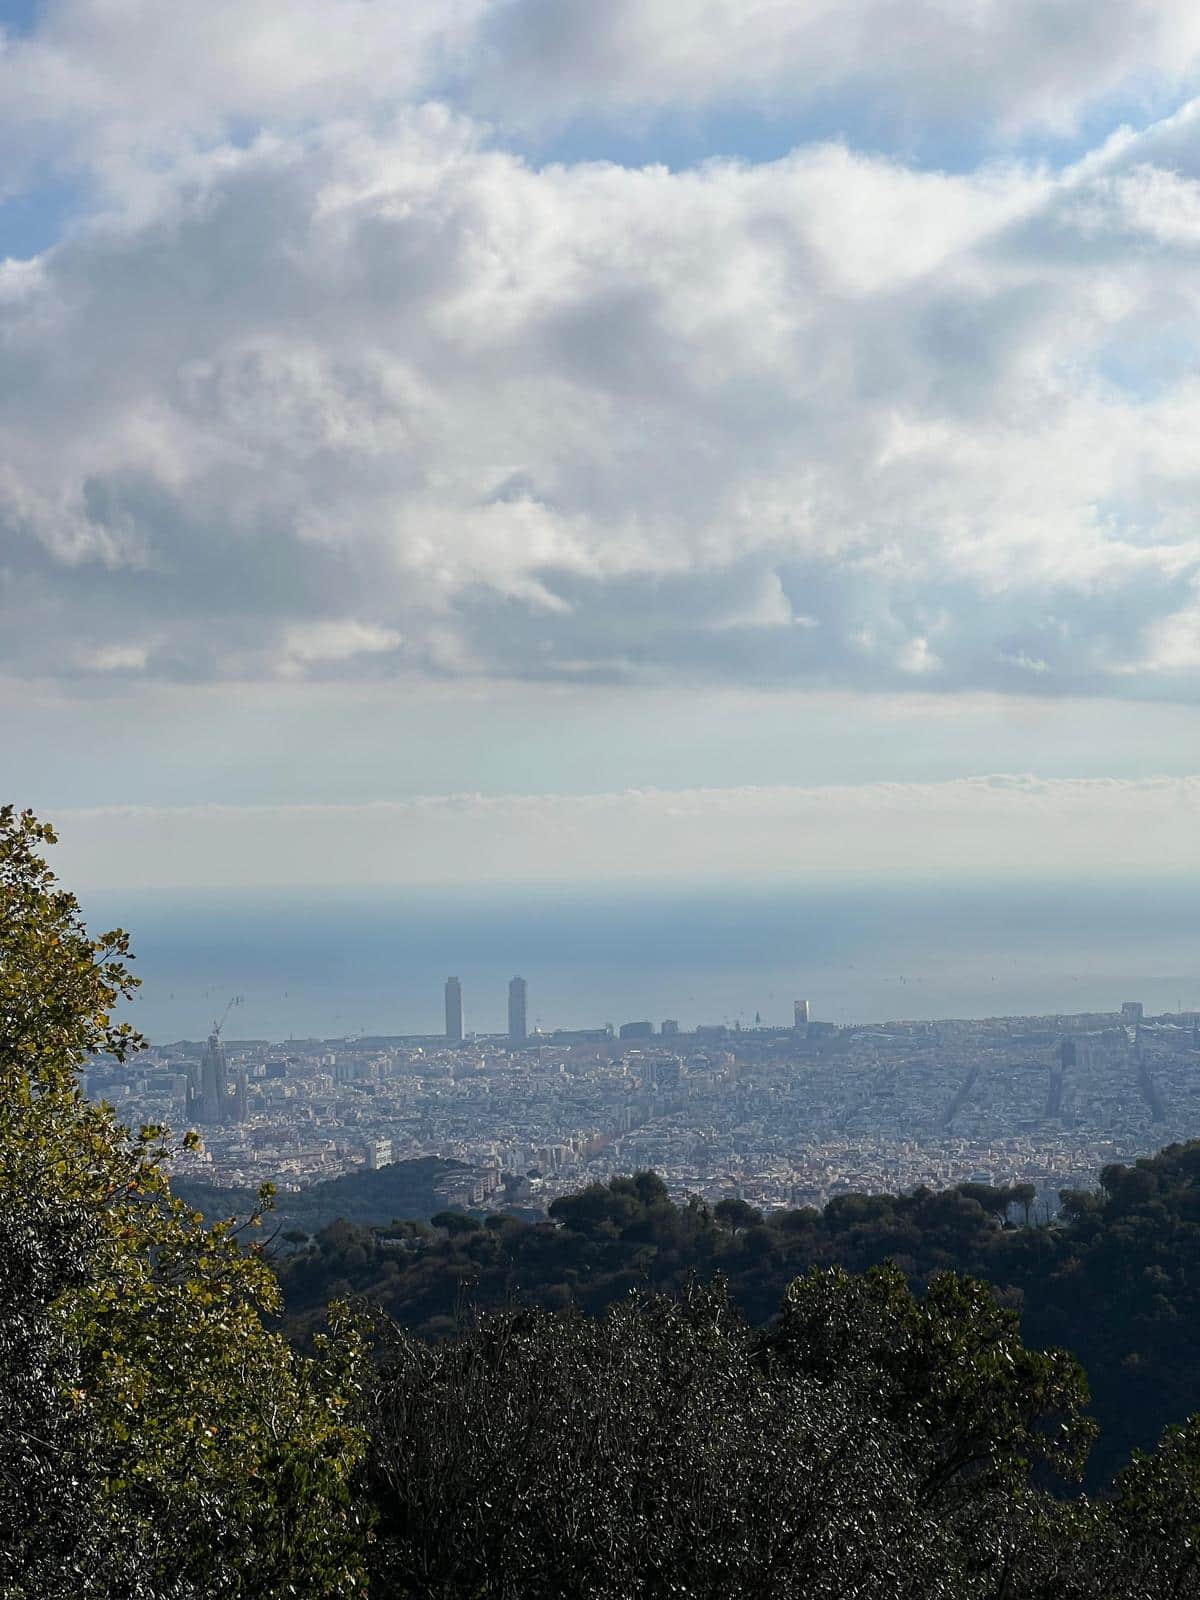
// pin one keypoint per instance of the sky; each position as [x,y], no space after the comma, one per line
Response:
[600,440]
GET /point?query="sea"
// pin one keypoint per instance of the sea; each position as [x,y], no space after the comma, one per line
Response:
[337,965]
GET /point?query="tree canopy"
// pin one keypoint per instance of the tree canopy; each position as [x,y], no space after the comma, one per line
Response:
[156,1437]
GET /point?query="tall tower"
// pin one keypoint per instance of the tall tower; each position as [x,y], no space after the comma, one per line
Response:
[517,1030]
[214,1082]
[801,1014]
[454,1011]
[241,1108]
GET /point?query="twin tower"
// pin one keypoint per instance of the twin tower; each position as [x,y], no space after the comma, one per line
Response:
[517,1029]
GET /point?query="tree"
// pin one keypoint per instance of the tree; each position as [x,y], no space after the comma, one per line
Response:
[987,1408]
[456,1223]
[1156,1509]
[978,1410]
[156,1439]
[635,1456]
[735,1213]
[1024,1195]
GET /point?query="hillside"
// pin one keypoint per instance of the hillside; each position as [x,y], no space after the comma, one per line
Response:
[405,1189]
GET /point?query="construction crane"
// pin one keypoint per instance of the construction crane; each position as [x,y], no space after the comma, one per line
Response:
[234,1000]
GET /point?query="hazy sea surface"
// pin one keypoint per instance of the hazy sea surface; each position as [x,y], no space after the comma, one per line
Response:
[329,965]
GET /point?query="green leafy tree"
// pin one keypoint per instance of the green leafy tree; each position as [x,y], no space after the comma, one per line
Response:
[987,1409]
[456,1223]
[735,1214]
[635,1456]
[156,1439]
[1156,1512]
[978,1409]
[1024,1195]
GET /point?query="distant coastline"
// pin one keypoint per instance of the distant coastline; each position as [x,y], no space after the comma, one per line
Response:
[335,966]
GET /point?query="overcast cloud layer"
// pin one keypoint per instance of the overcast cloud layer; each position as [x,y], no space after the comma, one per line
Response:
[333,375]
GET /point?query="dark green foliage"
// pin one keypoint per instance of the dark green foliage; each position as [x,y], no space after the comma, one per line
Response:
[404,1189]
[1156,1516]
[51,1502]
[650,1452]
[734,1213]
[950,1367]
[1120,1286]
[609,1238]
[869,1445]
[1115,1280]
[456,1223]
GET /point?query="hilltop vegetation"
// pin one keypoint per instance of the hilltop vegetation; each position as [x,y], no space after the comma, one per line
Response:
[1116,1280]
[404,1189]
[869,1446]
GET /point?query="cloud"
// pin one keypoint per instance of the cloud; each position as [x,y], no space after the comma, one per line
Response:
[116,658]
[107,86]
[1006,64]
[1001,825]
[331,640]
[362,394]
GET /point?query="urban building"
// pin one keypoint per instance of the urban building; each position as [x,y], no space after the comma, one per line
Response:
[517,1028]
[213,1108]
[454,1011]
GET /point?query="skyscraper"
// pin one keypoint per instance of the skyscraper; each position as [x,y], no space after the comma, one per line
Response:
[214,1082]
[454,1011]
[517,1030]
[800,1014]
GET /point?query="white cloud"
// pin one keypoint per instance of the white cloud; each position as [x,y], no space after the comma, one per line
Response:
[989,826]
[109,87]
[1173,645]
[334,641]
[111,84]
[898,64]
[916,657]
[364,394]
[116,658]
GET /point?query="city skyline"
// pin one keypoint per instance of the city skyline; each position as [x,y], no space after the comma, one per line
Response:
[330,966]
[779,1116]
[212,1091]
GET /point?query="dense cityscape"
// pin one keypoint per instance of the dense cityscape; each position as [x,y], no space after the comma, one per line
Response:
[778,1116]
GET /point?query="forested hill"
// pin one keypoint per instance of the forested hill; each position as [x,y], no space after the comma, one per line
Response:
[1116,1280]
[405,1189]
